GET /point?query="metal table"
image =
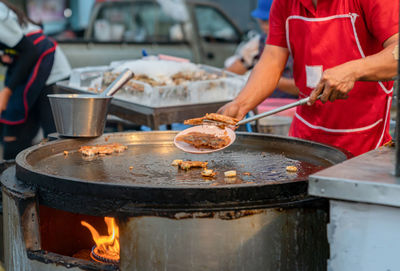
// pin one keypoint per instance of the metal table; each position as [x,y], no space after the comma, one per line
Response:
[147,115]
[364,199]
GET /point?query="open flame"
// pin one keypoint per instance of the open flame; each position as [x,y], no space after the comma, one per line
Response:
[107,246]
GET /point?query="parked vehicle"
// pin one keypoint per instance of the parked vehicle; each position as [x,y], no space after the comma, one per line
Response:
[119,30]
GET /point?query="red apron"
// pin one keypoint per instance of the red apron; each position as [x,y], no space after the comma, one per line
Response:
[358,124]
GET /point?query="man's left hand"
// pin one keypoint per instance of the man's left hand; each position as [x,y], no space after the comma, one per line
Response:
[335,84]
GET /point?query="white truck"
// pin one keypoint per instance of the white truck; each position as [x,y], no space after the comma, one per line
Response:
[127,29]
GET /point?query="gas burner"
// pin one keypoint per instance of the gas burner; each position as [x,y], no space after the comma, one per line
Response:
[99,255]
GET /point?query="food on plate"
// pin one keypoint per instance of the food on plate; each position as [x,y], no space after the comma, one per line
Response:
[219,119]
[291,169]
[195,121]
[222,119]
[106,149]
[192,164]
[230,173]
[205,141]
[176,162]
[208,173]
[247,173]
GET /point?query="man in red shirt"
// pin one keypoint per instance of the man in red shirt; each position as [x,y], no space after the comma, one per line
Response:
[342,49]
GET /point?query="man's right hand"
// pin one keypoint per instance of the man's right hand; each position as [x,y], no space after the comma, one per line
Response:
[232,109]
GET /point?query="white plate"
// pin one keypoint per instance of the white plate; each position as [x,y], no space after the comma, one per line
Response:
[207,129]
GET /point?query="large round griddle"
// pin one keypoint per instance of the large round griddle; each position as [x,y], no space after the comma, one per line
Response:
[142,178]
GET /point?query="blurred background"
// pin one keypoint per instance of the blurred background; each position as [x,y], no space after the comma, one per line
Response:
[58,16]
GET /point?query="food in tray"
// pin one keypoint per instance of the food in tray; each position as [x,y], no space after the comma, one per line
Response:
[220,120]
[179,78]
[186,165]
[291,169]
[205,141]
[106,149]
[208,172]
[230,173]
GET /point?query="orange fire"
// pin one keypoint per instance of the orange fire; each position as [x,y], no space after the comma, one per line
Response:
[107,246]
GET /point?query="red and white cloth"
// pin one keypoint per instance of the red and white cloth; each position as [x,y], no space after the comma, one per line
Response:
[336,32]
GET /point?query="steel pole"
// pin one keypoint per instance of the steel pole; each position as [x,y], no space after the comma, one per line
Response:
[396,140]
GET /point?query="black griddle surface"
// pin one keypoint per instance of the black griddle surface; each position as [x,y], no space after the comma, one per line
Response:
[109,186]
[147,161]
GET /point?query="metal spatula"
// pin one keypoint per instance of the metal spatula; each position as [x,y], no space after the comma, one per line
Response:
[210,127]
[276,110]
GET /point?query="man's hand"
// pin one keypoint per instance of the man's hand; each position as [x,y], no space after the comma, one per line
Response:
[335,84]
[5,95]
[232,109]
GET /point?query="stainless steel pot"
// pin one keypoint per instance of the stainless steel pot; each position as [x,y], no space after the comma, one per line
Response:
[84,115]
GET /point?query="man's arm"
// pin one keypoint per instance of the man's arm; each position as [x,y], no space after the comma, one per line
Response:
[237,67]
[288,85]
[261,83]
[336,82]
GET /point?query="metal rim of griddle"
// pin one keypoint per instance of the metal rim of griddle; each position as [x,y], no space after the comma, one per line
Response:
[72,194]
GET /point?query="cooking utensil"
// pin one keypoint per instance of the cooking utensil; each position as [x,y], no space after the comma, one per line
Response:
[207,127]
[276,110]
[84,115]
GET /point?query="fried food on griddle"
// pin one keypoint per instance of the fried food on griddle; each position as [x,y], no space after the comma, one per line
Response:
[192,164]
[220,120]
[106,149]
[291,169]
[208,173]
[176,162]
[205,141]
[230,173]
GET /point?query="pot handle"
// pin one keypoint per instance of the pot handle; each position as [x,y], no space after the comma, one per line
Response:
[119,82]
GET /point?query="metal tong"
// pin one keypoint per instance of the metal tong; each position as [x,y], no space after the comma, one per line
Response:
[274,111]
[265,114]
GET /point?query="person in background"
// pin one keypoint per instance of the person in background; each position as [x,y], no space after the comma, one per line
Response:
[250,53]
[342,50]
[34,63]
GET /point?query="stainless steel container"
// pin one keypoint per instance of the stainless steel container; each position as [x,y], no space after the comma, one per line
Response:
[84,115]
[79,115]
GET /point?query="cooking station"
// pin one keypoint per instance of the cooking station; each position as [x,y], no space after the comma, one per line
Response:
[168,219]
[331,214]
